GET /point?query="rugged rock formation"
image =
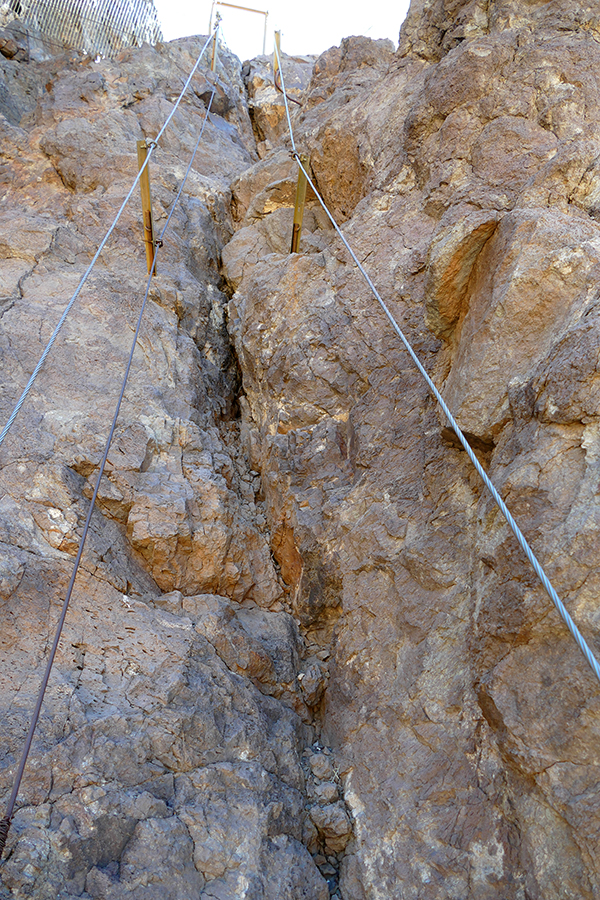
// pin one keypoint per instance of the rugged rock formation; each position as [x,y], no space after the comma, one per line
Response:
[464,720]
[266,105]
[306,657]
[168,761]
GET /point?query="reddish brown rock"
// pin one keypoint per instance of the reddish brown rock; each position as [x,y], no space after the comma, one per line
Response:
[459,722]
[266,105]
[333,825]
[167,758]
[462,713]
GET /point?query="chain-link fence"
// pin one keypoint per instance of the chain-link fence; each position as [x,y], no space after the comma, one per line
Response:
[97,27]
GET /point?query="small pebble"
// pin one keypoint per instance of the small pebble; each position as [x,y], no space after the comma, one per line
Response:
[321,766]
[327,792]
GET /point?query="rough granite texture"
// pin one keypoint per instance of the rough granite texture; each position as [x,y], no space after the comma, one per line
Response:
[305,657]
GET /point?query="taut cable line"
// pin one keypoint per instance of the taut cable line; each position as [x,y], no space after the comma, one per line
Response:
[564,614]
[6,821]
[277,66]
[151,148]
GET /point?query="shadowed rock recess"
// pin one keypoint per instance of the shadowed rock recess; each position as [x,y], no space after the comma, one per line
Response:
[305,656]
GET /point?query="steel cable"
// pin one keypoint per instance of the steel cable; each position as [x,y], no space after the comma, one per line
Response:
[580,640]
[6,821]
[54,335]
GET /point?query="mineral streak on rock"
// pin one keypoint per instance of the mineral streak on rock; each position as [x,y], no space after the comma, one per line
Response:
[305,657]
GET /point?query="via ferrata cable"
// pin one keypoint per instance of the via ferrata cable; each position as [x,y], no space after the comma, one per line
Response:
[152,147]
[581,642]
[6,821]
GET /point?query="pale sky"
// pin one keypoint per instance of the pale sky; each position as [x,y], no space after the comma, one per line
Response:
[309,26]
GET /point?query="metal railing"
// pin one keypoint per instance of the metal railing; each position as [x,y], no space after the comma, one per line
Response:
[97,27]
[262,12]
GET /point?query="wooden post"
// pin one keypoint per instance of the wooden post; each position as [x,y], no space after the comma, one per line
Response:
[299,206]
[215,46]
[261,12]
[265,34]
[146,206]
[276,56]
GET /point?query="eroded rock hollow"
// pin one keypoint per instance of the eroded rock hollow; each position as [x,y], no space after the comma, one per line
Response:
[305,656]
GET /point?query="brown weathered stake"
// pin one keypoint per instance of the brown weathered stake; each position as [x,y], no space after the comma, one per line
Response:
[146,206]
[299,206]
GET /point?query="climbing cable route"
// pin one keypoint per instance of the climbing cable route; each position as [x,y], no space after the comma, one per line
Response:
[6,821]
[581,643]
[152,147]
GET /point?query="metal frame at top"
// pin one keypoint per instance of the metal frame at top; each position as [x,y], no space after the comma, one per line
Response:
[262,12]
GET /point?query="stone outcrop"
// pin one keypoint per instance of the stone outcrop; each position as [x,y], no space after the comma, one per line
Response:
[168,760]
[266,105]
[306,657]
[464,719]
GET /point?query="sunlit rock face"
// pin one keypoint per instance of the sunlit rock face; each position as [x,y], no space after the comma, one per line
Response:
[168,760]
[305,657]
[464,168]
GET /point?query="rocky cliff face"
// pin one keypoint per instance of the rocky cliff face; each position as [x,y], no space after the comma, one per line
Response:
[305,656]
[168,761]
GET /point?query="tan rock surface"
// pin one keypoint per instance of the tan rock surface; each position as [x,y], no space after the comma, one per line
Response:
[295,554]
[266,105]
[465,721]
[167,763]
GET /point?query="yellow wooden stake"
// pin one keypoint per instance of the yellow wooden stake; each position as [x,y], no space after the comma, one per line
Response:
[146,206]
[299,205]
[215,47]
[276,56]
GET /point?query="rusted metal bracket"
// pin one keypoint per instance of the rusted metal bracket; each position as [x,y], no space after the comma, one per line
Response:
[149,239]
[299,205]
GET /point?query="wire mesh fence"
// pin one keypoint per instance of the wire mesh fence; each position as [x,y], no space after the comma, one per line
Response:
[97,27]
